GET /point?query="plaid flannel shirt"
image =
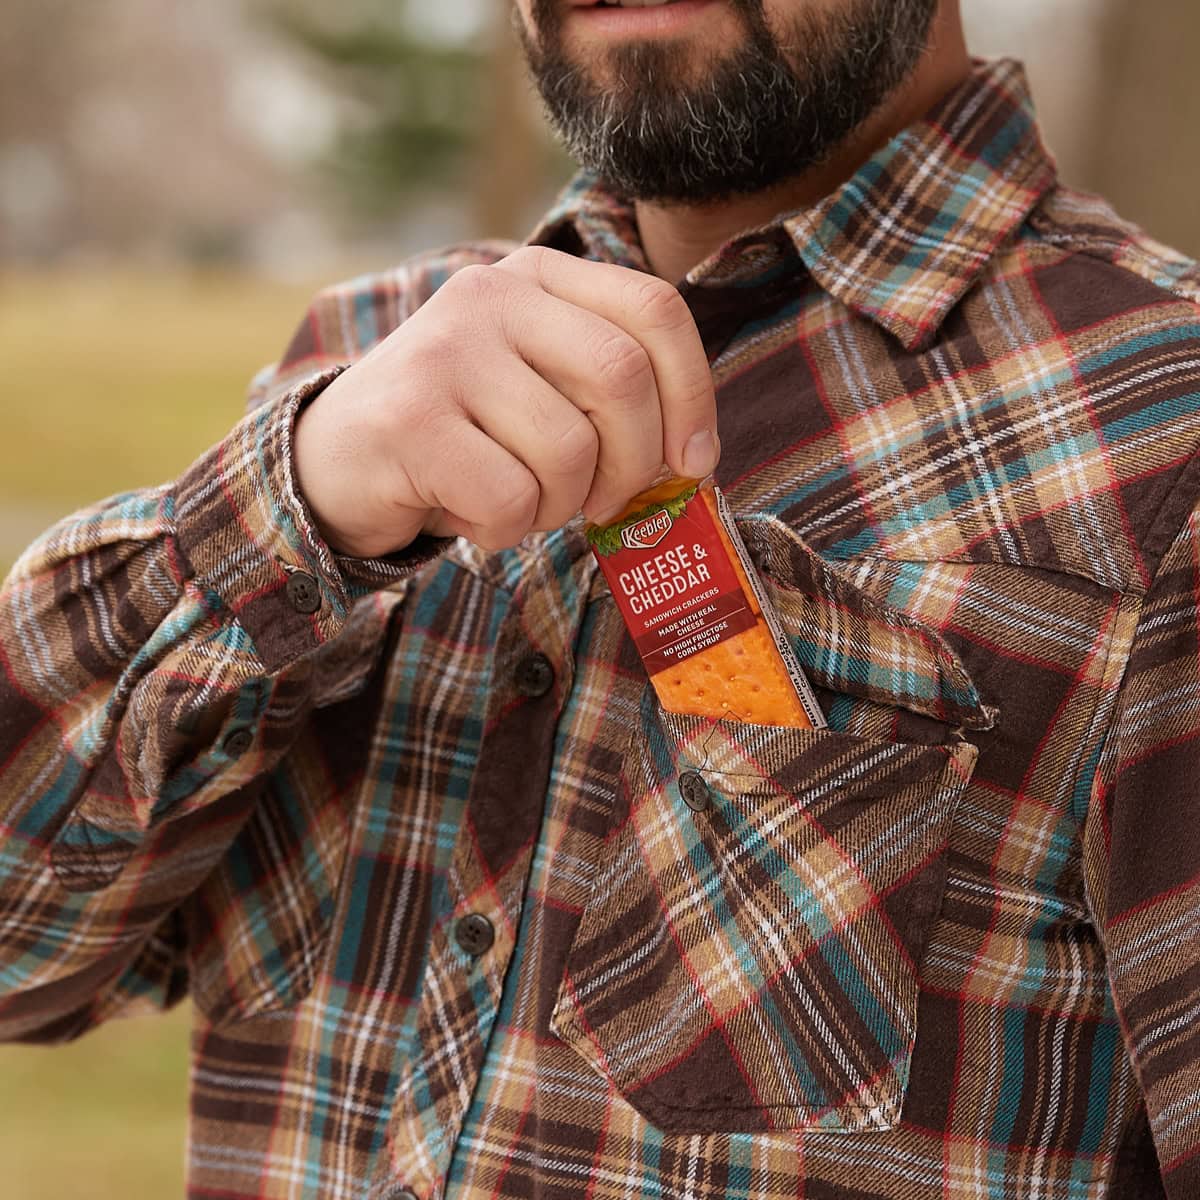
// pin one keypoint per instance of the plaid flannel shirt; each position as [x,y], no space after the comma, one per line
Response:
[410,833]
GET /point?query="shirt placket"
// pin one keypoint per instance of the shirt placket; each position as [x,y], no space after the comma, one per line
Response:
[473,937]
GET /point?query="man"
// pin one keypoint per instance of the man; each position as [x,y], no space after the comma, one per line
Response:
[341,731]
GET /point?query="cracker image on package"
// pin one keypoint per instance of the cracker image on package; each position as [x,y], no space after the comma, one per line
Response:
[693,603]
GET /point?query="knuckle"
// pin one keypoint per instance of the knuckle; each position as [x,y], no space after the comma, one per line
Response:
[576,447]
[477,284]
[622,364]
[658,303]
[492,303]
[698,402]
[510,516]
[423,419]
[514,503]
[610,489]
[528,259]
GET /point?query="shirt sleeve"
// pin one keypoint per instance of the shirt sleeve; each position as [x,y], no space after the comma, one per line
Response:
[1142,859]
[157,656]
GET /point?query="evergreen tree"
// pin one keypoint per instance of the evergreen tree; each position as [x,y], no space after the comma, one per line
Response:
[424,114]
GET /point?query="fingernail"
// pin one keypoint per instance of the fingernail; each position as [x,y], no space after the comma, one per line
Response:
[700,454]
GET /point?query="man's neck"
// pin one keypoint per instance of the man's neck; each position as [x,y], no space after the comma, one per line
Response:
[677,237]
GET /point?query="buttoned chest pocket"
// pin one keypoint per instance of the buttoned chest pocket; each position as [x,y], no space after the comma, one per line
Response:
[749,957]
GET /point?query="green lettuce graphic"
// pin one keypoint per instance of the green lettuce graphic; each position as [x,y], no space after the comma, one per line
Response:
[606,539]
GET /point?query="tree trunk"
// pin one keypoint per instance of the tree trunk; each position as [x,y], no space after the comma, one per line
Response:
[507,177]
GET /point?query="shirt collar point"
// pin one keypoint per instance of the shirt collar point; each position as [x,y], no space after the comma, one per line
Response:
[904,239]
[907,236]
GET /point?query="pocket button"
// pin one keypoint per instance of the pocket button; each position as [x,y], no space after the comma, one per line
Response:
[534,676]
[474,934]
[237,742]
[694,791]
[303,592]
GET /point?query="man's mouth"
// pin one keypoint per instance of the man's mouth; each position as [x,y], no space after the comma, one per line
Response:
[622,3]
[637,18]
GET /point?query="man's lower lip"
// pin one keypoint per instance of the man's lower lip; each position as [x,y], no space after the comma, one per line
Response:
[664,18]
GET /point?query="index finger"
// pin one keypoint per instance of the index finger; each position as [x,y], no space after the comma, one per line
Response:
[653,312]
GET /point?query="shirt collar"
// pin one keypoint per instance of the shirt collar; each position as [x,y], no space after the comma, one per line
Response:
[903,239]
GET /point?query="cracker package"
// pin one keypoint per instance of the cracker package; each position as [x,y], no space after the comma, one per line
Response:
[699,617]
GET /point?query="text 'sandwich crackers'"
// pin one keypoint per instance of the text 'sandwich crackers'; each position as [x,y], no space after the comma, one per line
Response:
[693,603]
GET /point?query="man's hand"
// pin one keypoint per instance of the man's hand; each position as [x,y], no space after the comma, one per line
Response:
[517,395]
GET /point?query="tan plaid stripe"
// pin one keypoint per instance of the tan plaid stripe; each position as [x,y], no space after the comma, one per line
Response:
[942,950]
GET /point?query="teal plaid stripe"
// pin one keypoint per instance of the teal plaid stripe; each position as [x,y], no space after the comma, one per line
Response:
[958,407]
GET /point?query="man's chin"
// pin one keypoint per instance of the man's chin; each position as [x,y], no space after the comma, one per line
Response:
[696,120]
[634,74]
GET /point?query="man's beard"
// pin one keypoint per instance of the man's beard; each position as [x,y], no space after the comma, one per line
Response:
[656,129]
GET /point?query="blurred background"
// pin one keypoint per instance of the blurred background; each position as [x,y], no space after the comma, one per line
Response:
[175,181]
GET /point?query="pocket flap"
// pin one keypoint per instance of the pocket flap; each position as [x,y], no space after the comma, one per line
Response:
[807,763]
[850,642]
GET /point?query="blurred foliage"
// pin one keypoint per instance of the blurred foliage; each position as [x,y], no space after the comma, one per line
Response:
[450,117]
[415,105]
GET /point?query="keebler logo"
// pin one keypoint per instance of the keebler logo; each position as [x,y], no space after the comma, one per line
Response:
[645,535]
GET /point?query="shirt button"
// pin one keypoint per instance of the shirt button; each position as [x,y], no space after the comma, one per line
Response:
[534,676]
[237,742]
[474,934]
[694,791]
[303,592]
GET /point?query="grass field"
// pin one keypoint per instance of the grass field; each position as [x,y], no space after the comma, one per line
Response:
[101,1119]
[112,383]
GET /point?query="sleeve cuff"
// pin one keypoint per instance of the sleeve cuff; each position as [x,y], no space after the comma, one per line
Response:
[247,538]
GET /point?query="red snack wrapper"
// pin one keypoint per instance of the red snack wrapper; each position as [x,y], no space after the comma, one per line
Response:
[697,612]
